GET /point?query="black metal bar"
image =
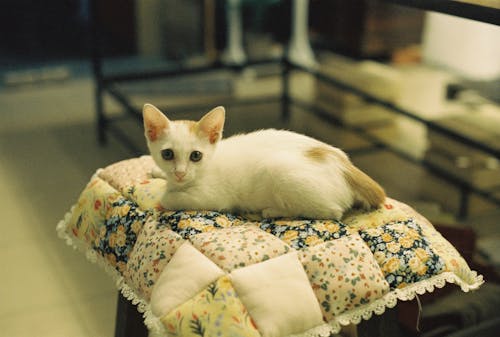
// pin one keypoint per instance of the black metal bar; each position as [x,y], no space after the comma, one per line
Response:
[124,139]
[230,102]
[478,12]
[129,322]
[97,72]
[463,208]
[285,95]
[179,69]
[391,106]
[123,100]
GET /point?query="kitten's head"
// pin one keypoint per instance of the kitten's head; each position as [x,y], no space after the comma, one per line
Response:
[182,149]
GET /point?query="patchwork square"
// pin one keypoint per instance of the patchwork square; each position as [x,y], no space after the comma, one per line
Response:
[89,213]
[116,238]
[151,253]
[239,246]
[147,193]
[278,296]
[215,311]
[390,211]
[187,273]
[304,233]
[403,253]
[122,177]
[343,274]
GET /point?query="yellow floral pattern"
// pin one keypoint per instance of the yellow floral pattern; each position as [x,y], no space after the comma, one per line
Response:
[189,223]
[301,234]
[216,311]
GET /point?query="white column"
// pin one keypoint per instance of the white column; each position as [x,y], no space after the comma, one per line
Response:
[234,53]
[299,49]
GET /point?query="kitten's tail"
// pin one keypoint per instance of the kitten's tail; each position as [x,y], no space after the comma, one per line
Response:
[367,192]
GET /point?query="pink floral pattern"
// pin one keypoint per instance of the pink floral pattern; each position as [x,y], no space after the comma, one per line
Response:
[343,274]
[151,253]
[239,246]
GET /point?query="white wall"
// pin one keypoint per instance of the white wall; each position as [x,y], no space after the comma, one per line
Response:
[468,47]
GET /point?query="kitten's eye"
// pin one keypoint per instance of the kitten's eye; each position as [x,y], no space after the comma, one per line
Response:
[167,154]
[195,156]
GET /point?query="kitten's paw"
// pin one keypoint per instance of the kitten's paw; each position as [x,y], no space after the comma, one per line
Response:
[272,213]
[157,173]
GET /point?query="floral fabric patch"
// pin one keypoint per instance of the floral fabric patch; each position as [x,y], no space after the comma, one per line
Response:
[188,223]
[90,212]
[147,193]
[239,246]
[300,234]
[343,274]
[215,311]
[403,253]
[117,236]
[151,253]
[390,211]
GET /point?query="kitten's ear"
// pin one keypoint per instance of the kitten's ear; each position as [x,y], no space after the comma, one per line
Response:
[212,124]
[154,122]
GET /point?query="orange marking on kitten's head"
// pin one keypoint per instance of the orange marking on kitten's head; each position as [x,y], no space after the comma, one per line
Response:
[191,125]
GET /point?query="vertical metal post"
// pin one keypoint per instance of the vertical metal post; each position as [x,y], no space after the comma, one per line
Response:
[285,84]
[129,322]
[463,208]
[97,72]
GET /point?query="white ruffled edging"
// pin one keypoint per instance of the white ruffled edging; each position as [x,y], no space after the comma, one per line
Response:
[151,321]
[353,316]
[389,300]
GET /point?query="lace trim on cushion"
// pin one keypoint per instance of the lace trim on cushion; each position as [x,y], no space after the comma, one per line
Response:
[389,300]
[152,322]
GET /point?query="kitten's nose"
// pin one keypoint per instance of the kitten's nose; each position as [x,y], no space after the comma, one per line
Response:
[180,174]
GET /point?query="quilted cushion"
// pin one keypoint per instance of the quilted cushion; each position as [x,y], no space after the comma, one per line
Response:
[217,274]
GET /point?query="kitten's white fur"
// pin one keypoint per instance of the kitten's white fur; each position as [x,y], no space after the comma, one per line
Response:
[275,173]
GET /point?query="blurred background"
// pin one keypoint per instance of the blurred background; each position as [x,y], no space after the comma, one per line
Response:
[412,95]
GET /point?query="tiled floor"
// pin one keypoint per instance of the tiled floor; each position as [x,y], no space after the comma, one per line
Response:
[47,154]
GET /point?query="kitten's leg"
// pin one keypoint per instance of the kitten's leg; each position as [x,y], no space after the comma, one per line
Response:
[273,213]
[323,213]
[329,213]
[253,216]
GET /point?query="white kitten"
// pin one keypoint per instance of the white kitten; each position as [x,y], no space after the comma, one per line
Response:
[275,173]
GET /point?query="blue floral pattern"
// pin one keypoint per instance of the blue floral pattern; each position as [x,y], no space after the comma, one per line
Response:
[118,234]
[403,253]
[188,223]
[301,234]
